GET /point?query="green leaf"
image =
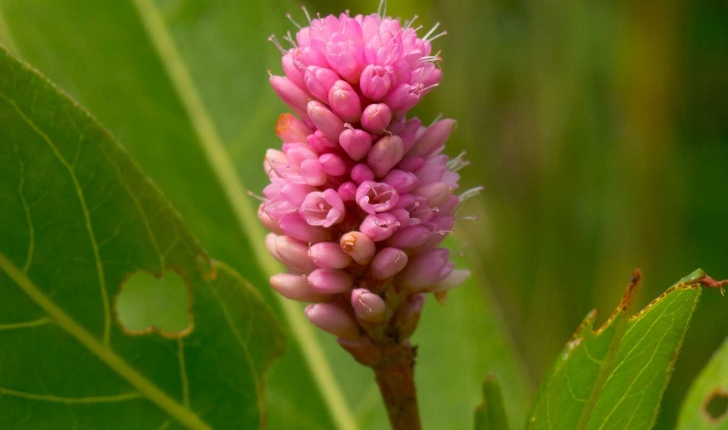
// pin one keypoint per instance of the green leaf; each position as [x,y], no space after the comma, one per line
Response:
[81,223]
[491,415]
[706,406]
[613,378]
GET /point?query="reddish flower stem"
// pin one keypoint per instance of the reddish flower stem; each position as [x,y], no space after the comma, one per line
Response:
[395,377]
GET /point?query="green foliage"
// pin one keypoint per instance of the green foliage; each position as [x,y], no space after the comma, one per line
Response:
[80,221]
[614,378]
[491,415]
[705,405]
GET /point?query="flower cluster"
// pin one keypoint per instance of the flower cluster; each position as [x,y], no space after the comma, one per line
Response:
[360,196]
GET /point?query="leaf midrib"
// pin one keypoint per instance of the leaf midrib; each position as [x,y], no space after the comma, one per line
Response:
[104,353]
[233,188]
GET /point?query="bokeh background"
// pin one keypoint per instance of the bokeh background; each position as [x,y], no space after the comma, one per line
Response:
[599,130]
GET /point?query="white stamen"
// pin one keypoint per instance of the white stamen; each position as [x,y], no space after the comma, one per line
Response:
[437,24]
[308,17]
[272,38]
[290,18]
[407,24]
[435,37]
[382,9]
[261,198]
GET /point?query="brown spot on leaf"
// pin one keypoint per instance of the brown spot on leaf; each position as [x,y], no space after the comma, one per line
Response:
[715,407]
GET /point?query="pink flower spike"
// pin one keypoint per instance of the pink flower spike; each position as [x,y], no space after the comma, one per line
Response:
[376,118]
[325,120]
[329,255]
[319,81]
[380,226]
[322,208]
[330,281]
[388,262]
[385,154]
[358,246]
[375,197]
[368,306]
[291,94]
[333,319]
[376,81]
[356,143]
[436,194]
[432,139]
[295,287]
[344,101]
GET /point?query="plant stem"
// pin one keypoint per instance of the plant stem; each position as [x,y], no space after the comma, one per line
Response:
[395,377]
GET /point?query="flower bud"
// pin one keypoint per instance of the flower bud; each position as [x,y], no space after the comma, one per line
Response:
[376,81]
[333,319]
[295,287]
[293,70]
[385,154]
[329,255]
[376,118]
[319,81]
[432,139]
[313,172]
[426,270]
[293,254]
[333,164]
[401,181]
[291,129]
[345,102]
[347,191]
[368,306]
[291,94]
[361,173]
[330,281]
[410,237]
[409,315]
[358,246]
[436,194]
[356,143]
[325,120]
[388,262]
[297,228]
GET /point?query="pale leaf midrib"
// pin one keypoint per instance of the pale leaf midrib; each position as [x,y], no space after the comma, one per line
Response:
[101,351]
[231,184]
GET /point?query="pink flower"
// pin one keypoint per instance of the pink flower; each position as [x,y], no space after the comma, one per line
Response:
[360,196]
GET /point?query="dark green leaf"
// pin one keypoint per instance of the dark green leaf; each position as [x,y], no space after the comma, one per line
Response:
[80,223]
[706,405]
[614,378]
[491,415]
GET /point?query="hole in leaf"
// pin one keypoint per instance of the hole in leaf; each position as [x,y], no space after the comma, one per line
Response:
[147,303]
[716,405]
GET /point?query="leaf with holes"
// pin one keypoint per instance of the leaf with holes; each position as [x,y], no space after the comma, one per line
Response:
[706,404]
[83,231]
[613,378]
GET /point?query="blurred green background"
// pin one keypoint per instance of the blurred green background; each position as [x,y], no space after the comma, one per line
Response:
[599,130]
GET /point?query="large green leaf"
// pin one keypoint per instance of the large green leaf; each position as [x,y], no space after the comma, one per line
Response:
[183,84]
[613,378]
[81,227]
[705,407]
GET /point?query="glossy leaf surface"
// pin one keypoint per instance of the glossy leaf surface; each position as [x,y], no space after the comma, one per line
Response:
[80,219]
